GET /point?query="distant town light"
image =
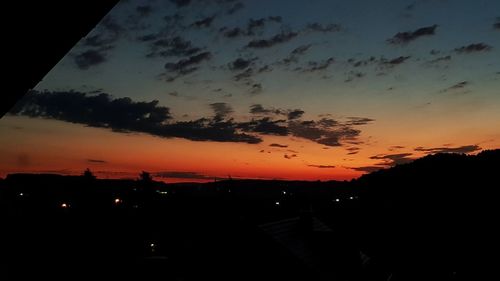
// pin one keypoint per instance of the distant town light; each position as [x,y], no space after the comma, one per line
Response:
[118,201]
[337,200]
[64,205]
[21,194]
[277,203]
[284,192]
[351,197]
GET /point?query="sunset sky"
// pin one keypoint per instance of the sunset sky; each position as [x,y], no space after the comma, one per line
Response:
[193,90]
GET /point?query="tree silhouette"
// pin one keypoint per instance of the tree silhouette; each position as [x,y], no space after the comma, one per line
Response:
[87,174]
[145,177]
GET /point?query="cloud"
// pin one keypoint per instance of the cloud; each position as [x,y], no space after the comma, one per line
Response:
[240,63]
[276,39]
[259,109]
[408,36]
[275,18]
[97,45]
[358,121]
[256,88]
[290,156]
[205,22]
[233,32]
[324,28]
[317,131]
[186,66]
[291,114]
[265,126]
[243,75]
[460,149]
[254,24]
[322,166]
[182,175]
[126,116]
[496,25]
[144,10]
[236,7]
[316,66]
[440,60]
[278,145]
[359,63]
[472,48]
[221,110]
[394,61]
[301,49]
[120,114]
[86,59]
[181,3]
[367,169]
[169,47]
[294,55]
[457,86]
[295,114]
[96,161]
[394,159]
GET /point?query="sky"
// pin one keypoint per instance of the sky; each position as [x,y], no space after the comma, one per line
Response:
[193,90]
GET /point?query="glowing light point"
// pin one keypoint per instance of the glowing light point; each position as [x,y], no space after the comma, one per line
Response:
[277,203]
[118,201]
[64,205]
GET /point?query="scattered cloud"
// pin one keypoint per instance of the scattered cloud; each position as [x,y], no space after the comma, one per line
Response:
[358,121]
[440,60]
[96,161]
[290,156]
[278,145]
[270,42]
[394,159]
[127,116]
[322,166]
[144,10]
[313,66]
[221,110]
[240,63]
[236,7]
[186,66]
[332,27]
[460,149]
[259,109]
[394,61]
[367,169]
[84,60]
[256,88]
[472,48]
[169,47]
[457,86]
[205,22]
[295,114]
[408,36]
[181,3]
[182,175]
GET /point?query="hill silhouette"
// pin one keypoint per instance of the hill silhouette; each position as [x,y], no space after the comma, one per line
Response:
[431,219]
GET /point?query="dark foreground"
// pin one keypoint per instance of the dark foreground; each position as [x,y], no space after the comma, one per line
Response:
[433,219]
